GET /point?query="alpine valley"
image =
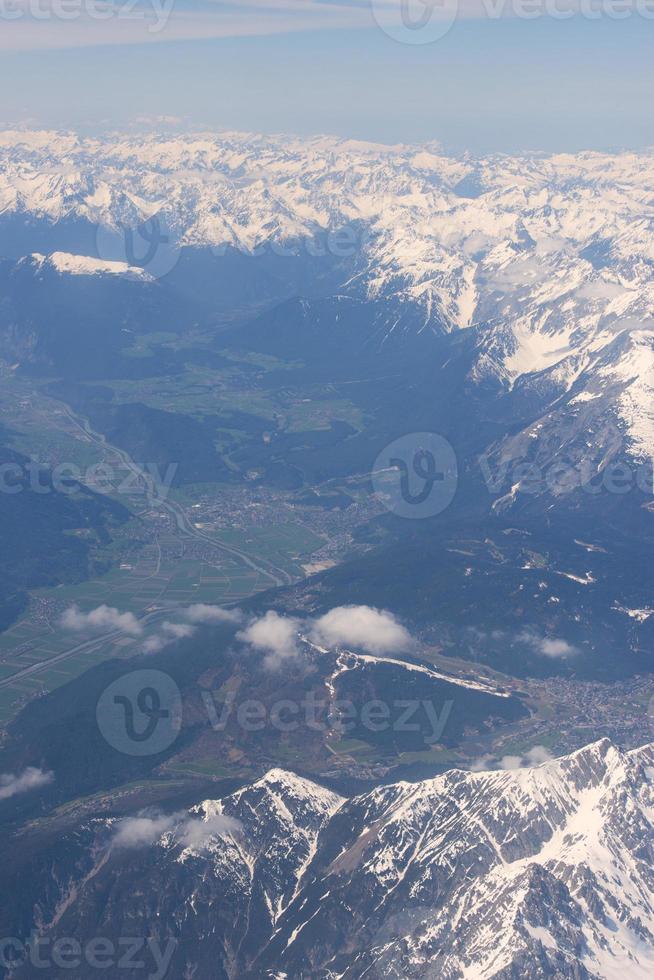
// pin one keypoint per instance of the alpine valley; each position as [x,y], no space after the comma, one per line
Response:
[353,446]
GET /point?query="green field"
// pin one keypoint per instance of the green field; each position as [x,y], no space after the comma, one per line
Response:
[155,567]
[284,545]
[30,641]
[151,582]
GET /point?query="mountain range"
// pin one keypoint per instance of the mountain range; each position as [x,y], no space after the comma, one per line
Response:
[294,322]
[543,871]
[545,262]
[504,303]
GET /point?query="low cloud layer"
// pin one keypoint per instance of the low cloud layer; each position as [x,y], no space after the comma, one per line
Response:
[274,635]
[177,631]
[202,612]
[194,832]
[101,618]
[196,615]
[31,778]
[374,630]
[535,756]
[143,831]
[197,833]
[169,633]
[548,646]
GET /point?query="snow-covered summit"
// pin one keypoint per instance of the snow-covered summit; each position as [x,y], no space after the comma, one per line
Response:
[549,258]
[86,265]
[445,232]
[545,871]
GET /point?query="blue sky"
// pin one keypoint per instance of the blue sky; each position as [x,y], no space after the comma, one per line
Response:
[506,84]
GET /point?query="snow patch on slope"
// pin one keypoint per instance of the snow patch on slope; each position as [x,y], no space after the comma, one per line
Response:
[85,265]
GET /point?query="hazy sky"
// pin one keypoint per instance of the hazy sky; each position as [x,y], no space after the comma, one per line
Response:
[355,69]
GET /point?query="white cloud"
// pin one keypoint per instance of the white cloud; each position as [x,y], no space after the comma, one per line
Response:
[374,630]
[103,617]
[548,646]
[535,756]
[168,634]
[178,631]
[154,643]
[202,612]
[163,22]
[275,635]
[142,831]
[30,778]
[557,648]
[198,833]
[188,831]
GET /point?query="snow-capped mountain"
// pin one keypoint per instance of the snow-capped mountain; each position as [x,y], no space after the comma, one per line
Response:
[455,236]
[547,260]
[539,872]
[84,265]
[64,312]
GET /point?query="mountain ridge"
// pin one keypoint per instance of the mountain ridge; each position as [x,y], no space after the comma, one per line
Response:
[550,259]
[468,874]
